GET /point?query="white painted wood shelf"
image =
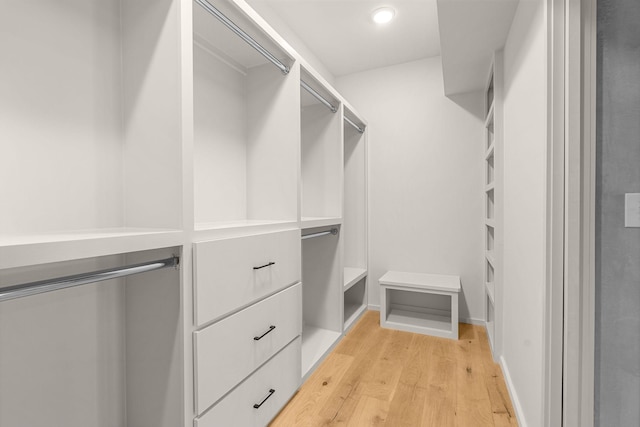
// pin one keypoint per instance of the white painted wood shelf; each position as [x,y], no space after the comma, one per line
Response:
[353,275]
[312,222]
[24,250]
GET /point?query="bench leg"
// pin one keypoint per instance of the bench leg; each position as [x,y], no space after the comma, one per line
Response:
[454,316]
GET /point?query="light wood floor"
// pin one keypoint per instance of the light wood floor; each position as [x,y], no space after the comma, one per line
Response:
[383,377]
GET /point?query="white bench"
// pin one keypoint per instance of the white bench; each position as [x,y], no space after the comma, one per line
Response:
[402,308]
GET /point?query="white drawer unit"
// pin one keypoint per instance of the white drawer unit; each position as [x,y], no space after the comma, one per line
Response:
[233,273]
[229,350]
[261,396]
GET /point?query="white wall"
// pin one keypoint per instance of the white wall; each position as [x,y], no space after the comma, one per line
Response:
[525,139]
[425,176]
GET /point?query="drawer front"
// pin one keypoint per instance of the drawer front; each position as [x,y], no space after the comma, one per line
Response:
[228,276]
[280,374]
[229,350]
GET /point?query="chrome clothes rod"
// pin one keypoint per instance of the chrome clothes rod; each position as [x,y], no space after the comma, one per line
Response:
[34,288]
[244,36]
[333,231]
[319,97]
[358,128]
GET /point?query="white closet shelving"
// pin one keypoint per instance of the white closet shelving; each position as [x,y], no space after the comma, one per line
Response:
[321,296]
[246,125]
[321,154]
[138,131]
[113,345]
[493,203]
[91,133]
[354,230]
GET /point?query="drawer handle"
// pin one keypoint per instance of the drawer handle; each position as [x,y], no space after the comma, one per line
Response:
[258,405]
[271,328]
[263,266]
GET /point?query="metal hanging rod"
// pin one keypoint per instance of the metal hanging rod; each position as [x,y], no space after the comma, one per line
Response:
[351,122]
[34,288]
[333,231]
[244,36]
[319,97]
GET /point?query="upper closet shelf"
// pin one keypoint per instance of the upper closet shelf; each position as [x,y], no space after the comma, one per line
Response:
[352,276]
[25,250]
[312,222]
[246,130]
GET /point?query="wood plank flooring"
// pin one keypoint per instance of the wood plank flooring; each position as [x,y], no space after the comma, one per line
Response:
[383,377]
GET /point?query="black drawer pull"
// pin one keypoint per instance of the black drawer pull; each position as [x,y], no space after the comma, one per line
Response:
[263,266]
[258,405]
[271,328]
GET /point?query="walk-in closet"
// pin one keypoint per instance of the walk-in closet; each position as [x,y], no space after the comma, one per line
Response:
[304,213]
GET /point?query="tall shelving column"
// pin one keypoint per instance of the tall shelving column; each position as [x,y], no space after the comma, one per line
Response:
[321,212]
[493,204]
[354,229]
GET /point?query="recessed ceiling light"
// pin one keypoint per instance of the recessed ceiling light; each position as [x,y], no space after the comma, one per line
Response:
[383,15]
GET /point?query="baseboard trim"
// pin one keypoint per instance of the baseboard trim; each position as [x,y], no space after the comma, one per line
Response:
[373,307]
[517,407]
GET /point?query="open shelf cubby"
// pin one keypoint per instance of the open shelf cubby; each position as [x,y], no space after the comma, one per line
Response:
[355,302]
[91,147]
[320,154]
[246,125]
[116,346]
[321,297]
[420,311]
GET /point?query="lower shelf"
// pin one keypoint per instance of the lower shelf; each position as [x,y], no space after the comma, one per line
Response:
[352,312]
[316,342]
[418,321]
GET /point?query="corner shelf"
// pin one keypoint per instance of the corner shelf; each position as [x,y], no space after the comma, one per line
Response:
[490,288]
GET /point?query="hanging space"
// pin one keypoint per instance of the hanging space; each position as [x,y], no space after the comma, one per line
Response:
[320,153]
[354,229]
[246,123]
[321,295]
[96,341]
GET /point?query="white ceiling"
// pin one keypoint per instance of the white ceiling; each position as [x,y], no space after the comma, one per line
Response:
[342,35]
